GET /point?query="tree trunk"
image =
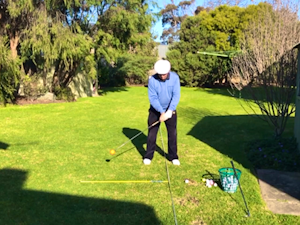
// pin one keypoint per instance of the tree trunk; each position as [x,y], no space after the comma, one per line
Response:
[95,88]
[14,41]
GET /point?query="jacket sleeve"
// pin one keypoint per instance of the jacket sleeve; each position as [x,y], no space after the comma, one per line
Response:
[175,94]
[153,96]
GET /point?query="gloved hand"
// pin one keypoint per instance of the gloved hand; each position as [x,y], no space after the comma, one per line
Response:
[166,115]
[169,114]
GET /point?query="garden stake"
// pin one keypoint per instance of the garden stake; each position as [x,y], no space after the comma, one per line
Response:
[248,212]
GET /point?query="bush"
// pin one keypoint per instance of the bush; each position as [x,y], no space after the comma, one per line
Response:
[64,94]
[32,88]
[279,154]
[129,69]
[9,72]
[135,68]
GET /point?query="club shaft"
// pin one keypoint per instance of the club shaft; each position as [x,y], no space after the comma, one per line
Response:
[137,134]
[123,181]
[240,188]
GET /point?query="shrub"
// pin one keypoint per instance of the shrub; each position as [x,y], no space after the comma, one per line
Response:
[279,154]
[32,87]
[64,94]
[129,69]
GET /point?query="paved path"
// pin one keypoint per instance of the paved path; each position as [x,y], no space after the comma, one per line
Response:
[281,191]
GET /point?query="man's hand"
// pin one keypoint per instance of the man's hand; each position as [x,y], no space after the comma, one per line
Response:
[163,117]
[166,115]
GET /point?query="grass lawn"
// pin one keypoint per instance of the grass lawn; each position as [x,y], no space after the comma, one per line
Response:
[48,149]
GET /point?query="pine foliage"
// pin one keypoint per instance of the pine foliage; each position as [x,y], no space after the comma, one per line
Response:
[9,73]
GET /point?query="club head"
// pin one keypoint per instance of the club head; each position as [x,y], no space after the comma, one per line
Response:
[107,160]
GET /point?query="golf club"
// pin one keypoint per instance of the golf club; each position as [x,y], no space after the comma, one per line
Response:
[137,135]
[248,212]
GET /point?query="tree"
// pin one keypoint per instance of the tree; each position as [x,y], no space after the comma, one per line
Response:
[193,68]
[122,34]
[209,31]
[47,34]
[56,37]
[9,72]
[14,18]
[267,67]
[216,3]
[172,17]
[55,40]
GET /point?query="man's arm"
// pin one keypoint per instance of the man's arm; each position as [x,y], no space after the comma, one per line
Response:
[176,94]
[153,97]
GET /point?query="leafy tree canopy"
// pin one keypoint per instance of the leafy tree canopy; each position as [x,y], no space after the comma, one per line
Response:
[59,33]
[172,17]
[215,30]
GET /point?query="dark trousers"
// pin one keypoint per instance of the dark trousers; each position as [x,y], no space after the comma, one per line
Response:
[171,125]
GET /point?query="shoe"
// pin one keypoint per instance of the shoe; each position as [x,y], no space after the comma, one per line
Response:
[147,161]
[176,162]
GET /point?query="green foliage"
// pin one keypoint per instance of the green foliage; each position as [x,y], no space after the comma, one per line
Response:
[130,69]
[123,34]
[17,8]
[135,68]
[172,18]
[64,94]
[58,39]
[72,47]
[275,153]
[9,72]
[110,76]
[121,28]
[226,24]
[215,30]
[50,42]
[193,69]
[31,87]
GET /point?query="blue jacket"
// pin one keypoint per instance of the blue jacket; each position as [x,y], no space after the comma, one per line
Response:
[164,95]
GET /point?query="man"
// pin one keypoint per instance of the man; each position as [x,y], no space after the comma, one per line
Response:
[164,94]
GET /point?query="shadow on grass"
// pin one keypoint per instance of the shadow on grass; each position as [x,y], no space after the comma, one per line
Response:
[246,94]
[230,135]
[105,90]
[3,146]
[19,206]
[140,140]
[225,91]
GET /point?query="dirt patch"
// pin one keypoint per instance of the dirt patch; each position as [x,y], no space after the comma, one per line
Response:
[198,222]
[24,101]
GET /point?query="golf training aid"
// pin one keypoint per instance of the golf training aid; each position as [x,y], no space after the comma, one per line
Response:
[113,151]
[248,212]
[168,175]
[122,181]
[141,181]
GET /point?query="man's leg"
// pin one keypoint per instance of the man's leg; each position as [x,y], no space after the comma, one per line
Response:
[152,134]
[171,125]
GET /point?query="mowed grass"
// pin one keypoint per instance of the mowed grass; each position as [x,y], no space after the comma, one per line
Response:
[48,149]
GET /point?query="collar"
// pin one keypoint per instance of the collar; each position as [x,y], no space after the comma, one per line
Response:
[168,77]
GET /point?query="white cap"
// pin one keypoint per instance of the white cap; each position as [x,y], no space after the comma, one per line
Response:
[162,66]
